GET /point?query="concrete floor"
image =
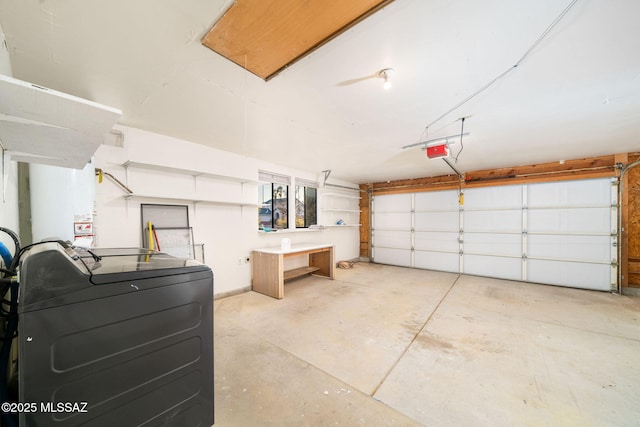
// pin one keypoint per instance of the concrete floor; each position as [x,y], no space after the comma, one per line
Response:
[384,346]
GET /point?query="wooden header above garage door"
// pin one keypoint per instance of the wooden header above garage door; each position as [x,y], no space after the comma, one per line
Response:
[594,167]
[266,36]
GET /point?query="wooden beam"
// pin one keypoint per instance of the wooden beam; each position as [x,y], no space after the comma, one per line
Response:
[365,221]
[596,167]
[631,235]
[538,170]
[623,262]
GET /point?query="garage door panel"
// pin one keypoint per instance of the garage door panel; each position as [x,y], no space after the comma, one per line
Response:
[401,257]
[436,201]
[392,203]
[569,225]
[437,241]
[493,244]
[393,239]
[573,274]
[587,192]
[491,266]
[492,224]
[393,221]
[437,261]
[437,221]
[580,248]
[568,221]
[494,198]
[499,221]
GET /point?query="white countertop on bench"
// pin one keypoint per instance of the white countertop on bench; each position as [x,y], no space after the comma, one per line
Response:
[299,247]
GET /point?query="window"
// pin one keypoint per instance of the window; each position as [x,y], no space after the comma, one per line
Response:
[273,199]
[306,196]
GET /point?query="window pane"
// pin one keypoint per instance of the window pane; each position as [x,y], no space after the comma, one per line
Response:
[310,207]
[280,204]
[265,208]
[305,206]
[299,206]
[273,203]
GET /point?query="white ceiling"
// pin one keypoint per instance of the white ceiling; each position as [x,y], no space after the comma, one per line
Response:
[576,95]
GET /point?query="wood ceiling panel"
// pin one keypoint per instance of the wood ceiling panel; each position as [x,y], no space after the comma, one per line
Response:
[266,36]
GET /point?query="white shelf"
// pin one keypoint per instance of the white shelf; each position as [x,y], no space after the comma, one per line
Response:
[192,200]
[41,125]
[194,173]
[337,205]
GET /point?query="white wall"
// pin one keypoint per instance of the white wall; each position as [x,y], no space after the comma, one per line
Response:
[9,200]
[58,195]
[8,170]
[229,233]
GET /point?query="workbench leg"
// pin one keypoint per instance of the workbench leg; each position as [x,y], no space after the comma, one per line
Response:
[267,272]
[324,261]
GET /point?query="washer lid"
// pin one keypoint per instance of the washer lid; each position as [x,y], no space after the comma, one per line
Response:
[107,264]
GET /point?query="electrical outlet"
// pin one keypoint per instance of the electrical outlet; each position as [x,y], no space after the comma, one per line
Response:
[247,260]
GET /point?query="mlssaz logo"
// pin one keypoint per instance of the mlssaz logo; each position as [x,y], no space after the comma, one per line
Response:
[63,407]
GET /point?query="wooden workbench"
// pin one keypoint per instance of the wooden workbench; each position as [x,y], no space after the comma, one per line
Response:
[268,274]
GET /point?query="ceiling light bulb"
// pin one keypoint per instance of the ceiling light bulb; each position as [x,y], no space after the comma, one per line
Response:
[386,75]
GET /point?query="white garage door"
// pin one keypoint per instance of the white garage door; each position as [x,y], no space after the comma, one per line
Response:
[571,233]
[437,231]
[493,231]
[560,233]
[391,229]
